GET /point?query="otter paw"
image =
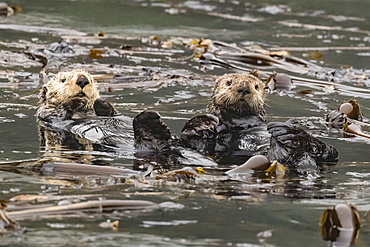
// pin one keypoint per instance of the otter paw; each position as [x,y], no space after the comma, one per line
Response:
[104,108]
[150,132]
[292,144]
[202,126]
[287,135]
[200,132]
[76,104]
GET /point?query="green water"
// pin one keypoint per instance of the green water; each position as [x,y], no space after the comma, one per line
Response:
[215,211]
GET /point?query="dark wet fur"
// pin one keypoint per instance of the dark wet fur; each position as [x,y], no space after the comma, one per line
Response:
[224,139]
[150,132]
[155,145]
[232,136]
[289,145]
[200,133]
[293,146]
[79,121]
[235,129]
[104,108]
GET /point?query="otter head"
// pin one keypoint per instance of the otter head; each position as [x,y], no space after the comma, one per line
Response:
[69,85]
[239,92]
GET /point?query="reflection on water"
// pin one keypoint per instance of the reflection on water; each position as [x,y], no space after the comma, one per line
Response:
[148,54]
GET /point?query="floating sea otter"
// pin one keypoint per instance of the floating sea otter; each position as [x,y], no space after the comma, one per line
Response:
[235,129]
[73,116]
[72,95]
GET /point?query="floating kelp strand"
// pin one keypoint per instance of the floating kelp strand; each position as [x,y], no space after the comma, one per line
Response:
[7,105]
[225,58]
[6,222]
[148,223]
[11,59]
[355,91]
[352,128]
[44,198]
[261,59]
[22,163]
[341,75]
[249,58]
[212,59]
[342,89]
[332,89]
[89,206]
[116,52]
[258,60]
[230,46]
[76,168]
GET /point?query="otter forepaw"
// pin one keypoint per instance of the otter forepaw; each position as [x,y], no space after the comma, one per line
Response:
[200,132]
[150,132]
[290,144]
[203,126]
[285,134]
[104,108]
[75,105]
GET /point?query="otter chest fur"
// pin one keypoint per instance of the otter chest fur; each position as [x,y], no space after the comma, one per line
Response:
[239,130]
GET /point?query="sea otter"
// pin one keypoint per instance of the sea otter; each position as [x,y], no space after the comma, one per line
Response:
[72,116]
[235,126]
[72,95]
[235,129]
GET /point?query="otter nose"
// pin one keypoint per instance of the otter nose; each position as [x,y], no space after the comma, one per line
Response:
[82,81]
[244,90]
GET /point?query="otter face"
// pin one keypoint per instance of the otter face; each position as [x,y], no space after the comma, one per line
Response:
[69,85]
[240,92]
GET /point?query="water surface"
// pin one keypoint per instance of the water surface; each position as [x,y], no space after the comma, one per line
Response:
[212,210]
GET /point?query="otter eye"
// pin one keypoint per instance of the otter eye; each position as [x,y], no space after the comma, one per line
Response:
[229,83]
[63,80]
[256,87]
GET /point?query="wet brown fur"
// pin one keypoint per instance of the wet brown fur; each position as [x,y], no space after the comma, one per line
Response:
[239,92]
[62,92]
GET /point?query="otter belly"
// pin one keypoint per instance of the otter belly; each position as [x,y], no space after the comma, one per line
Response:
[240,139]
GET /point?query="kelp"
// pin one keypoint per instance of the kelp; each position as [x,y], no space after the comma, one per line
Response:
[340,224]
[97,206]
[6,223]
[352,129]
[6,10]
[261,164]
[213,52]
[349,119]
